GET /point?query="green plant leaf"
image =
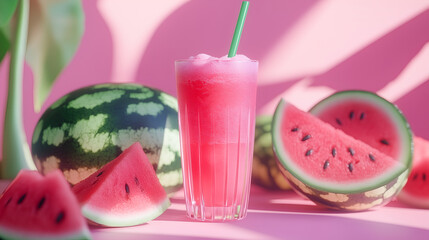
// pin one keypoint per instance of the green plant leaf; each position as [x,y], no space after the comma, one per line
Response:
[7,8]
[55,30]
[16,152]
[4,44]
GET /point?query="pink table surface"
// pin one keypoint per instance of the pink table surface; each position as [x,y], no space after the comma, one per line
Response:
[280,215]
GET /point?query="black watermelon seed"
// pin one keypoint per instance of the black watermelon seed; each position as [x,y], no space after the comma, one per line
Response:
[295,129]
[306,137]
[136,180]
[351,114]
[338,121]
[326,165]
[334,152]
[350,166]
[99,174]
[384,141]
[41,202]
[415,176]
[371,157]
[351,151]
[362,116]
[96,180]
[21,199]
[60,217]
[127,188]
[8,201]
[424,176]
[309,152]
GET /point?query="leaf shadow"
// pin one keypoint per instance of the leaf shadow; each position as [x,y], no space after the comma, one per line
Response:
[181,34]
[381,61]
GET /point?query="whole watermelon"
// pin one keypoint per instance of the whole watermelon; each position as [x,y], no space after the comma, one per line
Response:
[265,171]
[85,129]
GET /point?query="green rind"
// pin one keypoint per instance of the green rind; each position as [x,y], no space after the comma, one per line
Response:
[376,197]
[392,110]
[287,163]
[12,235]
[138,217]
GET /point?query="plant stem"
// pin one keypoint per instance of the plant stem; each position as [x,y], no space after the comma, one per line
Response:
[16,152]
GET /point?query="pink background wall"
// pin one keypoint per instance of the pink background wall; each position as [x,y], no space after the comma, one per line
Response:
[307,49]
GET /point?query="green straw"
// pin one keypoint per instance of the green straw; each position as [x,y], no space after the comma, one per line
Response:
[238,29]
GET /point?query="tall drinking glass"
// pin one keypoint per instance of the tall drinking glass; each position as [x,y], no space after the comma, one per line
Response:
[217,121]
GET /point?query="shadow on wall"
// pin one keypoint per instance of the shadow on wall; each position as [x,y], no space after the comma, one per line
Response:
[371,68]
[181,34]
[380,62]
[414,107]
[92,63]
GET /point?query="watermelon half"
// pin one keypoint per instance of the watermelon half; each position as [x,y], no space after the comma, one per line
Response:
[38,207]
[330,167]
[416,192]
[371,119]
[125,192]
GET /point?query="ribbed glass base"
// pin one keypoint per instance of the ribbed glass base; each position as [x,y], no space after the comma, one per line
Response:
[216,214]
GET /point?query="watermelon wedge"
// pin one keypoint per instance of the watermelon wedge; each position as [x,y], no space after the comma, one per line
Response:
[371,119]
[125,192]
[416,191]
[331,168]
[38,207]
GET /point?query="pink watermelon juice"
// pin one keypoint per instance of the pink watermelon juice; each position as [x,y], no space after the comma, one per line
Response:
[217,120]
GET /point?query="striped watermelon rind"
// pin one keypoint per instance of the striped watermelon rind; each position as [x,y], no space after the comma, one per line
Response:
[356,201]
[265,171]
[85,129]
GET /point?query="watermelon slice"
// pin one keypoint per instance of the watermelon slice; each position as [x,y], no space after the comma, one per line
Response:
[371,119]
[330,167]
[38,207]
[416,191]
[125,192]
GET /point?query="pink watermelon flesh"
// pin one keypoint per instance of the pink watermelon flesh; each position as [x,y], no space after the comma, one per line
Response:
[125,192]
[369,118]
[416,191]
[34,206]
[365,123]
[326,158]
